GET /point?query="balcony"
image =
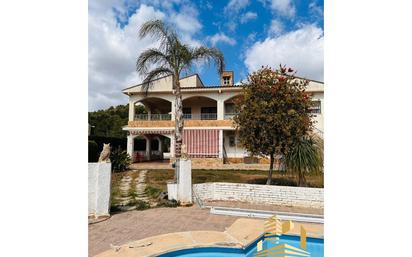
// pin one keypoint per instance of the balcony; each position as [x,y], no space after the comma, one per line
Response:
[229,116]
[153,117]
[200,116]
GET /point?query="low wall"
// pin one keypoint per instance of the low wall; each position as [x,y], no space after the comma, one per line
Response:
[99,188]
[261,194]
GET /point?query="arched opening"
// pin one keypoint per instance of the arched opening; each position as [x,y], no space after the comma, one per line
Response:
[153,108]
[199,108]
[151,147]
[229,108]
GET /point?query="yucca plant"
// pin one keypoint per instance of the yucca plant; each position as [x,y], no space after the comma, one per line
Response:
[120,159]
[305,156]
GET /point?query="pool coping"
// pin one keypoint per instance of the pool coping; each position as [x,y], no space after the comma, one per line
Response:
[240,235]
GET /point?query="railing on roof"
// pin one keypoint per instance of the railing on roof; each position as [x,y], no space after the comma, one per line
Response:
[155,116]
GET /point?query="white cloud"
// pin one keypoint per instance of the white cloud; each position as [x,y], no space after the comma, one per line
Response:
[186,20]
[247,17]
[221,37]
[236,5]
[301,50]
[281,7]
[284,7]
[113,49]
[276,27]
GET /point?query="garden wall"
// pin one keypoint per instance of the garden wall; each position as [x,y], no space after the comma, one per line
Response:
[99,188]
[261,194]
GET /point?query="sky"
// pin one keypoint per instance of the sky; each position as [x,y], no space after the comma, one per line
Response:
[250,33]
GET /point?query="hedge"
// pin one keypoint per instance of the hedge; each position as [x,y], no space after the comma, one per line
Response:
[115,142]
[93,151]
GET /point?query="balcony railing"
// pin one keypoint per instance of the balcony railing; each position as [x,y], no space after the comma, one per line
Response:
[153,117]
[200,116]
[229,115]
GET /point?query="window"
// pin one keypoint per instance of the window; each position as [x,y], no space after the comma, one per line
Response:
[208,113]
[316,107]
[187,112]
[232,141]
[226,80]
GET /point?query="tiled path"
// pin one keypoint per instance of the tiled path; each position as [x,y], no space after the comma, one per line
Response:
[133,225]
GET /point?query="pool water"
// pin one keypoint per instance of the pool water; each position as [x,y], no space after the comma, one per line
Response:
[313,245]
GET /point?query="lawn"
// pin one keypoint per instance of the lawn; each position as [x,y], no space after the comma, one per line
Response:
[158,178]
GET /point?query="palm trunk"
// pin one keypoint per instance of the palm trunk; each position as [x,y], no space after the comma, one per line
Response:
[178,122]
[272,160]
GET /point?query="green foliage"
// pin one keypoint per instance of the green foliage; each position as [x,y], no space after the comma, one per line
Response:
[109,122]
[120,159]
[113,141]
[93,151]
[142,205]
[273,112]
[305,156]
[152,192]
[168,203]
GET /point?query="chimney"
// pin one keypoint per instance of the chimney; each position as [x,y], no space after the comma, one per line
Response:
[226,79]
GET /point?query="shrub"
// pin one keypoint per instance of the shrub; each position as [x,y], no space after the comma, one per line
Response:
[142,205]
[168,203]
[93,151]
[120,159]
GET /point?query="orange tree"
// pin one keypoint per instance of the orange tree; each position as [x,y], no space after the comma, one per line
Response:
[273,113]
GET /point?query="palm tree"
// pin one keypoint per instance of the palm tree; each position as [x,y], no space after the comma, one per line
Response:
[306,155]
[171,58]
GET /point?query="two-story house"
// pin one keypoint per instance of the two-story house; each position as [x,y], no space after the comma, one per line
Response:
[208,133]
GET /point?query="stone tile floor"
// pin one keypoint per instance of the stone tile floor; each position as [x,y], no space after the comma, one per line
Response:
[134,225]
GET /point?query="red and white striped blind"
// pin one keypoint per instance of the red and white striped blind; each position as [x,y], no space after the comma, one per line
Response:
[201,142]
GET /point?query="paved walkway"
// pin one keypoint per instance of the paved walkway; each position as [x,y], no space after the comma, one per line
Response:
[134,225]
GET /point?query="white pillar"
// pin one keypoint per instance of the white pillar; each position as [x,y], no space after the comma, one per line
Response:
[172,146]
[221,143]
[173,109]
[130,146]
[147,148]
[131,110]
[220,109]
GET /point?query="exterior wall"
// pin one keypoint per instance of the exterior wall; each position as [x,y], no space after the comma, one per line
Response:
[192,81]
[233,151]
[261,194]
[319,117]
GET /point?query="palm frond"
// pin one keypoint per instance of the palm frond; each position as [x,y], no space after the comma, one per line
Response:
[149,57]
[153,74]
[157,29]
[210,54]
[305,156]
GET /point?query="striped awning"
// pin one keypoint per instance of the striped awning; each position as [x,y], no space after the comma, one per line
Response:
[201,142]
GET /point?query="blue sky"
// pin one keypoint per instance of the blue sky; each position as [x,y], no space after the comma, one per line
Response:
[249,33]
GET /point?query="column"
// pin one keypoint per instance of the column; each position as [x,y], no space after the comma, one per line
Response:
[172,146]
[130,146]
[131,110]
[173,109]
[221,144]
[220,109]
[149,113]
[147,148]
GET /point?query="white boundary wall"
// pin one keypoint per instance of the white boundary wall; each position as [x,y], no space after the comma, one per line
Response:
[261,194]
[99,188]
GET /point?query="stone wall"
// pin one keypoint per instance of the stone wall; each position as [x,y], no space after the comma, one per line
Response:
[261,194]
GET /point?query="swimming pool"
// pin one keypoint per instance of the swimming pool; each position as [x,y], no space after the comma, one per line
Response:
[314,246]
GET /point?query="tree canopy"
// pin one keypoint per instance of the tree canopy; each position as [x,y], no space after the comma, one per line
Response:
[109,122]
[273,112]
